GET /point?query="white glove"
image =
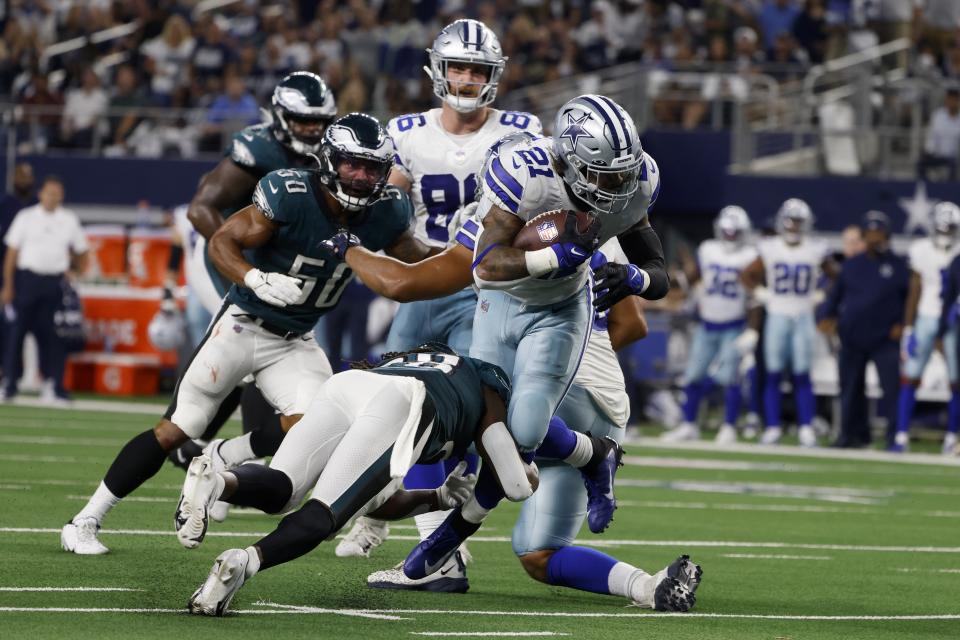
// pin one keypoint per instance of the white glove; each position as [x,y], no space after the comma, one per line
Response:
[761,295]
[273,288]
[746,342]
[457,488]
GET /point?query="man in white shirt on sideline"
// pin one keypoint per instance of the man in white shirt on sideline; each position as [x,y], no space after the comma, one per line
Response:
[43,242]
[942,146]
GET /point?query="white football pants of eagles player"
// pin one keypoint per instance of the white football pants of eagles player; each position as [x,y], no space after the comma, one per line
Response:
[287,371]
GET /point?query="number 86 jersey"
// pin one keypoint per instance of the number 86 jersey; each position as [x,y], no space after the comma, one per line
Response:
[442,167]
[792,272]
[723,298]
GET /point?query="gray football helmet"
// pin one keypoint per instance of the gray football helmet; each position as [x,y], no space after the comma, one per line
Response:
[794,220]
[732,226]
[471,42]
[597,144]
[945,219]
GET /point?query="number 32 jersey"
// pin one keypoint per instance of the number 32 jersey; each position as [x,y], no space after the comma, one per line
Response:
[793,272]
[293,200]
[722,297]
[443,167]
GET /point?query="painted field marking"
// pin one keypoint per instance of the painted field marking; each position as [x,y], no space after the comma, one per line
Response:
[762,556]
[488,634]
[844,495]
[16,457]
[45,589]
[165,500]
[591,543]
[60,441]
[915,570]
[710,464]
[787,508]
[932,459]
[391,614]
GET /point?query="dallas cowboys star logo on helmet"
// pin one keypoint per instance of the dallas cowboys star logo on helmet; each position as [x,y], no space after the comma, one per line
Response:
[575,130]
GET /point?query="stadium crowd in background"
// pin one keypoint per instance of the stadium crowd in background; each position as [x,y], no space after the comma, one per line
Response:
[178,54]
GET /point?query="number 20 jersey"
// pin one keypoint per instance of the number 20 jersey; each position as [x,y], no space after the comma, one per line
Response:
[443,167]
[722,297]
[793,272]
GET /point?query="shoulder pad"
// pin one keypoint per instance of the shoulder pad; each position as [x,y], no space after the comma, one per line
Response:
[504,171]
[650,179]
[521,120]
[279,194]
[406,122]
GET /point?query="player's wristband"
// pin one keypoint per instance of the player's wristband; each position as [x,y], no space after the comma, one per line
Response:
[646,281]
[541,261]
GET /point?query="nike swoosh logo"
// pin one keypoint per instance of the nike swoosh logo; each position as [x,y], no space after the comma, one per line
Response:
[247,136]
[430,569]
[516,165]
[446,571]
[273,189]
[578,252]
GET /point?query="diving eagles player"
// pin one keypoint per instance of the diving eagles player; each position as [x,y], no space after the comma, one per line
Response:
[439,154]
[550,519]
[301,108]
[264,326]
[357,440]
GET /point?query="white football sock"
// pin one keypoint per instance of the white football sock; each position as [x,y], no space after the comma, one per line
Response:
[582,451]
[253,562]
[630,582]
[98,505]
[472,511]
[427,523]
[236,451]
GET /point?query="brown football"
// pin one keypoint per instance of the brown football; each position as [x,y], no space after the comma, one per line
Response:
[544,230]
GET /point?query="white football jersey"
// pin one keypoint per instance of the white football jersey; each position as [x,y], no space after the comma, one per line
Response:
[520,178]
[194,267]
[443,167]
[600,373]
[793,272]
[723,298]
[931,263]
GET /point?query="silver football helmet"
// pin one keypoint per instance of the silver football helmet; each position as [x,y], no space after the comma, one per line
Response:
[471,42]
[945,221]
[732,226]
[599,151]
[794,220]
[167,330]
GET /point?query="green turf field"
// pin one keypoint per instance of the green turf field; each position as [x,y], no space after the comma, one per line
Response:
[791,547]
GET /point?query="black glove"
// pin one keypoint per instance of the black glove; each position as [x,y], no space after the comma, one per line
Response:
[613,282]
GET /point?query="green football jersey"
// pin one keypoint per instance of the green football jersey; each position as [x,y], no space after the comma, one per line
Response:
[292,199]
[455,385]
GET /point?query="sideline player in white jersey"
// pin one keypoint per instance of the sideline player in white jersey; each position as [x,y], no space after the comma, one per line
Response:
[203,301]
[791,263]
[929,259]
[439,154]
[722,336]
[544,534]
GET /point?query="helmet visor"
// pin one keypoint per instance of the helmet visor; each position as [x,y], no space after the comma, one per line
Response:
[611,188]
[361,176]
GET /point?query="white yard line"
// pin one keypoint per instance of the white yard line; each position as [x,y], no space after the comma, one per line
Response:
[802,452]
[844,495]
[709,464]
[761,556]
[786,508]
[111,406]
[591,543]
[488,634]
[56,440]
[392,614]
[16,457]
[45,589]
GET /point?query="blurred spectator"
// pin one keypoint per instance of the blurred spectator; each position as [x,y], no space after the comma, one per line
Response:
[40,119]
[891,20]
[851,241]
[84,107]
[723,17]
[168,59]
[234,109]
[212,53]
[785,61]
[774,18]
[747,52]
[10,205]
[126,95]
[43,243]
[939,22]
[810,30]
[866,308]
[723,86]
[942,147]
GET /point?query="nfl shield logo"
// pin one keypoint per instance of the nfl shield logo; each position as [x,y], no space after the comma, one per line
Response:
[547,230]
[484,306]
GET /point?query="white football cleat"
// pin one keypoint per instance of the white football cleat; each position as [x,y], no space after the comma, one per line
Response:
[201,488]
[451,578]
[681,433]
[751,426]
[771,435]
[219,511]
[80,537]
[807,436]
[212,450]
[726,436]
[950,445]
[366,535]
[225,579]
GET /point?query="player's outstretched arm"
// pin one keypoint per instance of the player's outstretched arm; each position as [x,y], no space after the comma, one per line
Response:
[407,248]
[441,275]
[223,188]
